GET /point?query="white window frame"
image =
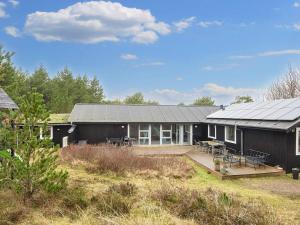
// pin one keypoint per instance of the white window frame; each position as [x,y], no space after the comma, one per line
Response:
[297,141]
[51,133]
[213,137]
[164,138]
[225,134]
[145,138]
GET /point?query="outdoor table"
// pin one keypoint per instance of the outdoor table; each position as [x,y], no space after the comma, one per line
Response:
[214,144]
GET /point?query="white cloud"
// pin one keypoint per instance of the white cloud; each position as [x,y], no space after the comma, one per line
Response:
[96,21]
[296,4]
[268,54]
[184,23]
[129,57]
[241,57]
[12,31]
[157,63]
[281,52]
[221,94]
[296,26]
[206,24]
[14,2]
[179,78]
[219,67]
[2,10]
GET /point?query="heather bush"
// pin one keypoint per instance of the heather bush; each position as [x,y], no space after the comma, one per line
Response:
[112,203]
[120,160]
[124,189]
[213,207]
[74,199]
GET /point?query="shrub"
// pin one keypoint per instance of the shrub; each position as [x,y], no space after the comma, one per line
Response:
[112,203]
[74,198]
[213,207]
[108,158]
[124,189]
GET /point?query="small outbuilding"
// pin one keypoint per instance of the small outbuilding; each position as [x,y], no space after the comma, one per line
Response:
[147,124]
[272,127]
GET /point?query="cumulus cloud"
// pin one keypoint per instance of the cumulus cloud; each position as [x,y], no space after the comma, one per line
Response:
[14,2]
[184,23]
[206,24]
[96,21]
[12,31]
[129,57]
[2,10]
[221,94]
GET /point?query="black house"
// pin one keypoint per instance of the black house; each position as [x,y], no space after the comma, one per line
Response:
[272,127]
[147,124]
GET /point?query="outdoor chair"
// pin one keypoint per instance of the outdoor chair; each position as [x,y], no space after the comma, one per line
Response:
[218,152]
[256,158]
[232,156]
[206,147]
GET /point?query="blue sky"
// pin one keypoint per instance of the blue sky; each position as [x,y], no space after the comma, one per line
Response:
[172,51]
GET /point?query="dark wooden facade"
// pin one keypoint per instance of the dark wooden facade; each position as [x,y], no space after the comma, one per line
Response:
[280,144]
[60,131]
[199,132]
[97,133]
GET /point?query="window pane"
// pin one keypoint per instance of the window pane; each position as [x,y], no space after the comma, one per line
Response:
[144,126]
[186,133]
[166,127]
[144,134]
[166,134]
[230,133]
[134,131]
[166,141]
[155,134]
[212,132]
[144,141]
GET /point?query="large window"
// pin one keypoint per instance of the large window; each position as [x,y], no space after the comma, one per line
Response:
[144,134]
[166,134]
[155,134]
[212,131]
[230,134]
[298,141]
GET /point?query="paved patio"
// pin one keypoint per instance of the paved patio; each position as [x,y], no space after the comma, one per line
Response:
[205,161]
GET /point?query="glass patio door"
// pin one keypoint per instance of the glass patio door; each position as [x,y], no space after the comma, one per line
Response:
[144,134]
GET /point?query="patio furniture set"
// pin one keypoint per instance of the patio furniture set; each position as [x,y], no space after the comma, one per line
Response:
[231,156]
[125,141]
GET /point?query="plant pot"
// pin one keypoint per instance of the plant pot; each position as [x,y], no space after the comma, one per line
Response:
[217,167]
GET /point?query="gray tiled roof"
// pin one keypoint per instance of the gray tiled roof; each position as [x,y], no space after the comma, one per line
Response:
[5,101]
[100,113]
[280,114]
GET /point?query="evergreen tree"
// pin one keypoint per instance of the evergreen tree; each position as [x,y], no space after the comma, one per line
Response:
[34,167]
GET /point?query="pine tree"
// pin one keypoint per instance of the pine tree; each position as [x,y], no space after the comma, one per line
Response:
[35,164]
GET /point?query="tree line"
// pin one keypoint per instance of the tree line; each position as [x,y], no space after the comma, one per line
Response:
[62,91]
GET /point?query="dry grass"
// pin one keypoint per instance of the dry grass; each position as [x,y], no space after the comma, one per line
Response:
[212,207]
[102,198]
[121,161]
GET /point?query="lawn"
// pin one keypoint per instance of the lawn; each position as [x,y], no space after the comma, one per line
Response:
[145,196]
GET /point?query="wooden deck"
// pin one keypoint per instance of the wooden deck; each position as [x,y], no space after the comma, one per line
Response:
[244,171]
[162,150]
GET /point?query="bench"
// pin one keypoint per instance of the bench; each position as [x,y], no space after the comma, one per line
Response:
[256,158]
